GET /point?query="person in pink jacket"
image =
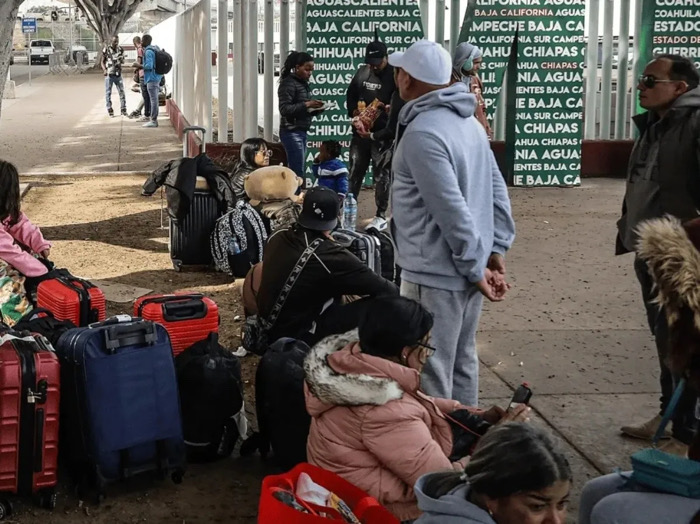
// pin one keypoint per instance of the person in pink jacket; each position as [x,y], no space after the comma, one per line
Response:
[370,423]
[21,245]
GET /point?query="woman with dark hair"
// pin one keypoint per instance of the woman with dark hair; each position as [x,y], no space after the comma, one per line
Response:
[296,107]
[254,154]
[516,475]
[21,247]
[371,424]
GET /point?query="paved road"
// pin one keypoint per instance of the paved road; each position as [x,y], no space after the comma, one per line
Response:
[20,72]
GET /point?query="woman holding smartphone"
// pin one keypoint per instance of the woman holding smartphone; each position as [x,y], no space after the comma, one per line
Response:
[296,108]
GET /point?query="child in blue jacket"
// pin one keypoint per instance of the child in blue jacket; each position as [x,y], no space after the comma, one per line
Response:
[329,170]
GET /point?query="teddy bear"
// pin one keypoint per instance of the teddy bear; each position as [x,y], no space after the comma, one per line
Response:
[272,191]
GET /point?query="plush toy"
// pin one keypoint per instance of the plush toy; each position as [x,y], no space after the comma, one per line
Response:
[272,191]
[272,184]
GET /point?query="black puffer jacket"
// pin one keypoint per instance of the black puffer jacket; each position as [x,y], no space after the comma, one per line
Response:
[180,177]
[293,94]
[240,171]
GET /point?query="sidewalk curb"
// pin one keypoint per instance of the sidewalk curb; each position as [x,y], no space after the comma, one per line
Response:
[79,174]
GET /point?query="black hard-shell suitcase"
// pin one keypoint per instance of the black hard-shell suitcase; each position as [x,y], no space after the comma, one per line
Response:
[189,238]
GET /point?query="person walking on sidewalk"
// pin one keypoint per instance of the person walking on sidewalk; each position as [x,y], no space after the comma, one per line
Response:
[297,109]
[451,220]
[151,78]
[662,179]
[112,62]
[373,80]
[145,103]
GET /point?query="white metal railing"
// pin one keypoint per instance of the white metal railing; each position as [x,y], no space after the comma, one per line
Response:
[187,37]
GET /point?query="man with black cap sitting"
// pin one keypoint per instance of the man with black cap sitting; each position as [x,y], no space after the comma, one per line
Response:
[312,306]
[374,80]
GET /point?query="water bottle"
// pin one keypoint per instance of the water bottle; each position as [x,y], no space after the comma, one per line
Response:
[350,213]
[233,247]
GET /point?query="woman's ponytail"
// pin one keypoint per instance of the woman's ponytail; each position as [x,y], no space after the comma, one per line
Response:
[294,59]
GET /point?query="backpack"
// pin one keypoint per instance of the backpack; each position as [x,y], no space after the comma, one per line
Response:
[283,422]
[237,240]
[164,62]
[42,321]
[282,214]
[389,269]
[211,400]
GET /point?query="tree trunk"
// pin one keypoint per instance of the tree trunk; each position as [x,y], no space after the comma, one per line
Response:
[8,15]
[106,18]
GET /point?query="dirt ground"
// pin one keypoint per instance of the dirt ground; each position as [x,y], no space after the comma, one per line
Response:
[101,228]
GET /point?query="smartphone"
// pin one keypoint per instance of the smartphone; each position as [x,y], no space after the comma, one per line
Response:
[522,395]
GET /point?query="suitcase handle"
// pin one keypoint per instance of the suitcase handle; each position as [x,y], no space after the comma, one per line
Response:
[167,298]
[118,336]
[188,310]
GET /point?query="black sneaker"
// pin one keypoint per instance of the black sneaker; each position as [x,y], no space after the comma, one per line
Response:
[134,114]
[110,112]
[124,113]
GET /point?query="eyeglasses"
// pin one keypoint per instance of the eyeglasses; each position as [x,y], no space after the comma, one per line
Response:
[650,81]
[429,350]
[266,152]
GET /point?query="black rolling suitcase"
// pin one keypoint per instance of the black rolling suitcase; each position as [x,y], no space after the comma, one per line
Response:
[189,238]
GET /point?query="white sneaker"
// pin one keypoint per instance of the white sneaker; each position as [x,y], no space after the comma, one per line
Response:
[152,123]
[144,119]
[378,223]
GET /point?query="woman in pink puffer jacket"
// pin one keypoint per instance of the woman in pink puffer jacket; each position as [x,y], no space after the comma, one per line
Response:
[371,424]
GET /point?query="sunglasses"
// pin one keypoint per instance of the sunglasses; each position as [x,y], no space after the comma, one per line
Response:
[650,81]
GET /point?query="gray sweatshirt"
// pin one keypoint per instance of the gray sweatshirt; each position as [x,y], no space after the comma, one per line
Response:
[450,204]
[453,508]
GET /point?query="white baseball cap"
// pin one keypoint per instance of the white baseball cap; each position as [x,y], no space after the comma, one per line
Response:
[425,61]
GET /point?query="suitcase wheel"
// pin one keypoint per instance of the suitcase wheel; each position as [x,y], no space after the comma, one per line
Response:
[177,476]
[5,508]
[177,265]
[47,499]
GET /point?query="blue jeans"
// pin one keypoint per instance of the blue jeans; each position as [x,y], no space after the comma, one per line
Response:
[294,143]
[145,99]
[114,81]
[153,89]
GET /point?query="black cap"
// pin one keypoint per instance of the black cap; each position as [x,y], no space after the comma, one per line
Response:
[320,210]
[375,53]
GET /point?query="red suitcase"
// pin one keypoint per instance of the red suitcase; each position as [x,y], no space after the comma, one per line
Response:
[72,298]
[188,317]
[29,408]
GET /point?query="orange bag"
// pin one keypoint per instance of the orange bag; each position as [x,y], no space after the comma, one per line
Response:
[272,511]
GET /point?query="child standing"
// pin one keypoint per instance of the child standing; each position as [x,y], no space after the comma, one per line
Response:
[21,243]
[329,170]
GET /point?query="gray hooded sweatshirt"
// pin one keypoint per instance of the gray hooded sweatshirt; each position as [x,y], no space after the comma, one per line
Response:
[450,204]
[453,508]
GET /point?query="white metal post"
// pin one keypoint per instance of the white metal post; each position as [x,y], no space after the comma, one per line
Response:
[70,23]
[207,95]
[238,72]
[222,63]
[454,24]
[284,30]
[440,22]
[252,58]
[269,65]
[590,103]
[425,16]
[244,66]
[622,71]
[606,73]
[299,40]
[637,63]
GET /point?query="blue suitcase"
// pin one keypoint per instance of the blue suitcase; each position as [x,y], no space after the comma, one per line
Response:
[121,412]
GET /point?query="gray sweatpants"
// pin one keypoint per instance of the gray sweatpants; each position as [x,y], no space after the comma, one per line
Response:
[609,500]
[453,371]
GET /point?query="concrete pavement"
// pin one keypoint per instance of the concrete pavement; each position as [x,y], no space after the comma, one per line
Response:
[60,125]
[572,326]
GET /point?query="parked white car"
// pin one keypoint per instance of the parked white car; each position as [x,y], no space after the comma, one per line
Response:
[40,50]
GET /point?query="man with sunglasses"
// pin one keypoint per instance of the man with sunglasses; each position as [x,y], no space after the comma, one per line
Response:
[663,178]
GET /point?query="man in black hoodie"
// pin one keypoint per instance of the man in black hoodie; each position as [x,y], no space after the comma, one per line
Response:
[374,80]
[311,309]
[663,179]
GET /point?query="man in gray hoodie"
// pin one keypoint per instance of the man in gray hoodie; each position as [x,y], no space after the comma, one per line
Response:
[451,215]
[663,178]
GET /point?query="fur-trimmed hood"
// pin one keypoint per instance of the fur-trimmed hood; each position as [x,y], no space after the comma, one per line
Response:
[674,264]
[339,374]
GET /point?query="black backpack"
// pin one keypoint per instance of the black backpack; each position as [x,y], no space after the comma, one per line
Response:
[390,270]
[164,62]
[283,422]
[211,400]
[238,239]
[42,321]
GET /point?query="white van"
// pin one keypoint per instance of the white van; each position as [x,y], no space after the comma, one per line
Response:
[40,50]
